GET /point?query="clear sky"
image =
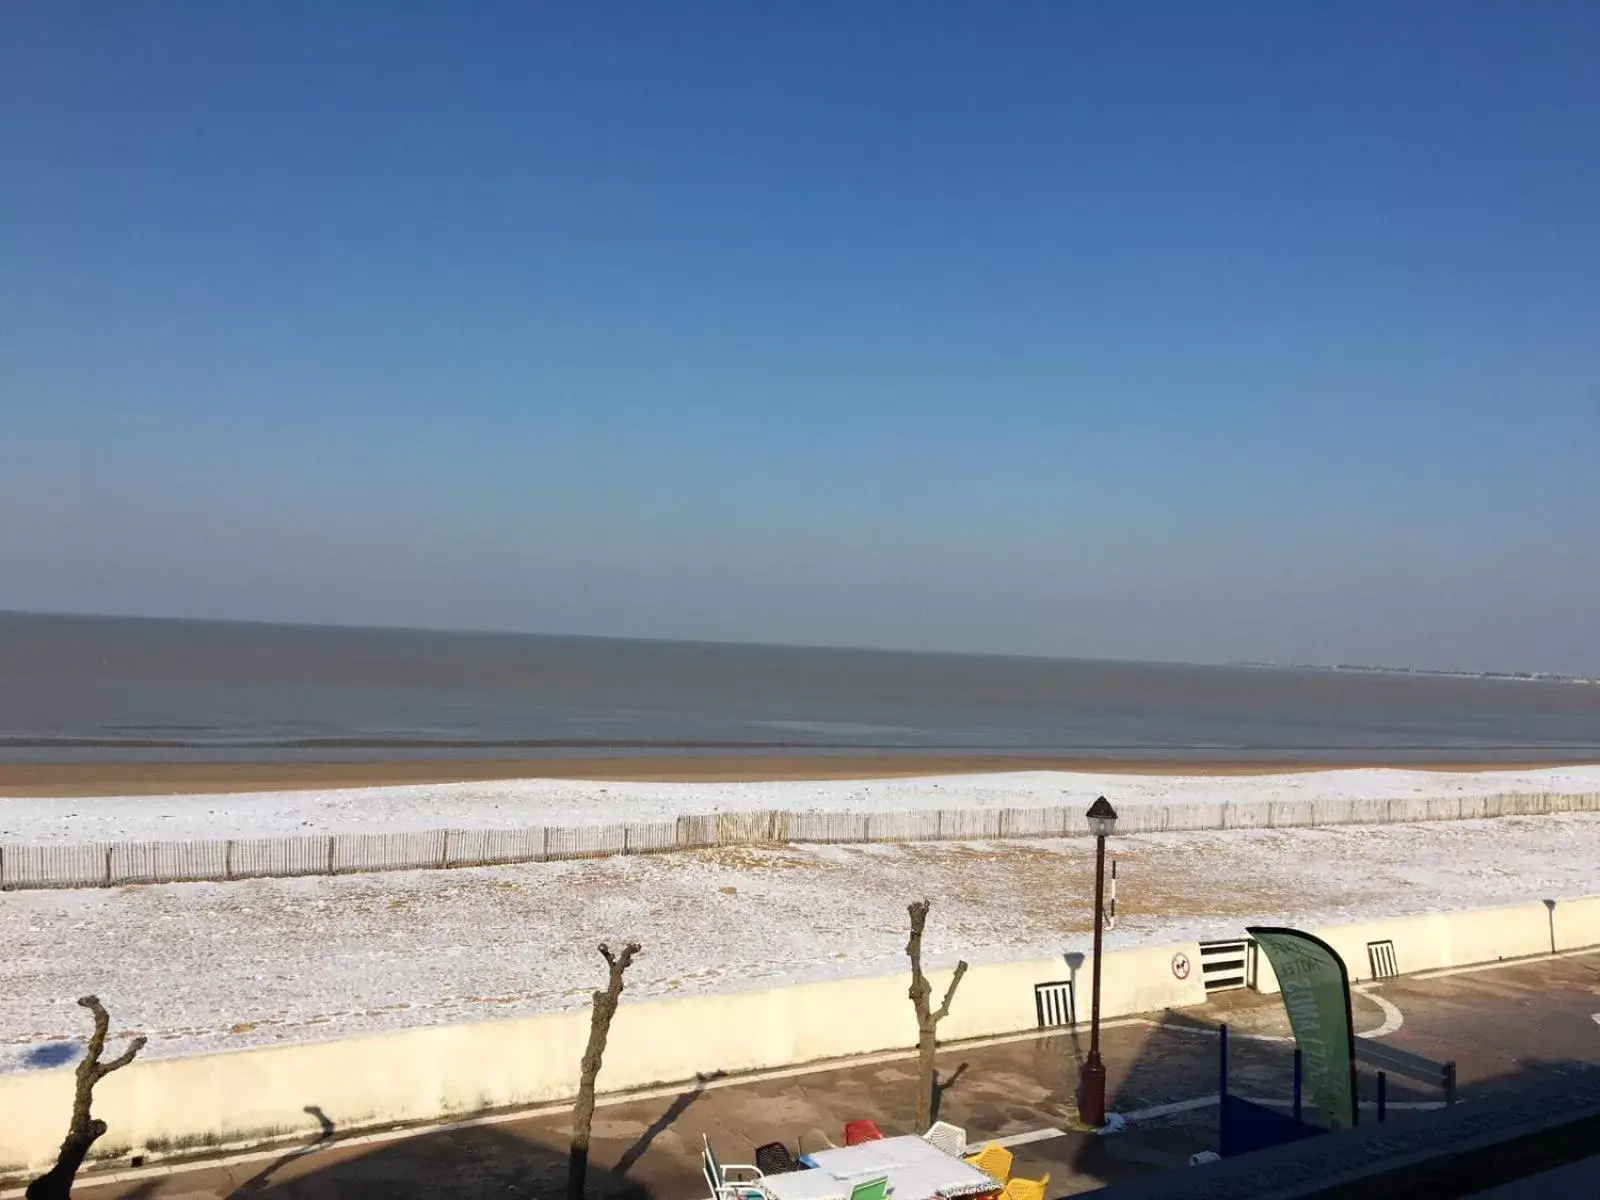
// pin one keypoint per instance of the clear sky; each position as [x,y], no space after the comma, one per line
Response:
[1194,331]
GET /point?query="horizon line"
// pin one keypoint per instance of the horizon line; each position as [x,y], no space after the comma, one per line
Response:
[1524,675]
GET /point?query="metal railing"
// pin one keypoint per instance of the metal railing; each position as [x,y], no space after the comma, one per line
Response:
[1395,1061]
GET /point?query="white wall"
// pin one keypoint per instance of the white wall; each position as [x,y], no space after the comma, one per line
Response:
[1436,940]
[1576,923]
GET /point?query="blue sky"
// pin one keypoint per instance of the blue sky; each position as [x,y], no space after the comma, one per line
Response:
[1166,331]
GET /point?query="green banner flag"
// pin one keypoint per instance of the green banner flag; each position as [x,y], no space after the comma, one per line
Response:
[1316,995]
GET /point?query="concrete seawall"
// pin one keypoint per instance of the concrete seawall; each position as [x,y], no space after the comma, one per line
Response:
[1435,941]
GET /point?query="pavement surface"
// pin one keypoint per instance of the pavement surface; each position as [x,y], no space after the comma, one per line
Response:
[1575,1179]
[1506,1027]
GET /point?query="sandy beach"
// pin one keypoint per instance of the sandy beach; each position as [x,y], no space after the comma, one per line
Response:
[182,778]
[522,802]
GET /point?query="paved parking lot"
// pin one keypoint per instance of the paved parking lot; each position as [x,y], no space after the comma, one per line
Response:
[1503,1026]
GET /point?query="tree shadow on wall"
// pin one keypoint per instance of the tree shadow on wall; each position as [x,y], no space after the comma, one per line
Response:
[455,1164]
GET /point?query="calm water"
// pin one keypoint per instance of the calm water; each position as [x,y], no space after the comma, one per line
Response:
[118,689]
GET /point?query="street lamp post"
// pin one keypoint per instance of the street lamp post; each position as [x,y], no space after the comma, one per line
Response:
[1092,1080]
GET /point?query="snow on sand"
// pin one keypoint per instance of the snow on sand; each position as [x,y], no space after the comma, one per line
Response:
[534,802]
[201,967]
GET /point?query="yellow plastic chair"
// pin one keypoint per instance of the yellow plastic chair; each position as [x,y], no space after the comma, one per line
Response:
[1025,1189]
[993,1160]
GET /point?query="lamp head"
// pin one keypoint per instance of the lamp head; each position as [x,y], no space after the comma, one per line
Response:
[1102,818]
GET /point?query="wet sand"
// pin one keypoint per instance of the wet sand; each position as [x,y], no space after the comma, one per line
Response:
[166,779]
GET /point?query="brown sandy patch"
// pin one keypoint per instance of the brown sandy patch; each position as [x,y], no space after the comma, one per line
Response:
[164,779]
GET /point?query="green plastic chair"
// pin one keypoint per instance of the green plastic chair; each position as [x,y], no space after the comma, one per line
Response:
[871,1189]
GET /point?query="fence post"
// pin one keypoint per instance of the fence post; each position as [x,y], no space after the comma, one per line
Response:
[227,860]
[330,854]
[109,850]
[444,850]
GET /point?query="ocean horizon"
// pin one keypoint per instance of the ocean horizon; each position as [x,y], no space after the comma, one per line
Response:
[77,688]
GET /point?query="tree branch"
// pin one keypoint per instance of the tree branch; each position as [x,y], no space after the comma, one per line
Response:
[950,992]
[121,1060]
[102,1024]
[920,989]
[85,1129]
[605,1008]
[623,961]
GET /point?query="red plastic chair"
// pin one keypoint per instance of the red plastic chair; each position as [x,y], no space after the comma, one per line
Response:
[856,1132]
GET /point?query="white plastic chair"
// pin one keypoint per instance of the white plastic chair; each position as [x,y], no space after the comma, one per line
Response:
[952,1139]
[717,1176]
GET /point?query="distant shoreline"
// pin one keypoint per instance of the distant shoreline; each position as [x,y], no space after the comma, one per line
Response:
[174,778]
[1444,673]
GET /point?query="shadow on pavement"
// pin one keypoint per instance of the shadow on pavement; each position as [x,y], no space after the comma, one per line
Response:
[1163,1069]
[1262,1070]
[943,1084]
[660,1125]
[460,1164]
[260,1180]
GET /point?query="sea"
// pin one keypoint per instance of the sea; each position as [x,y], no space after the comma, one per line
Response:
[112,689]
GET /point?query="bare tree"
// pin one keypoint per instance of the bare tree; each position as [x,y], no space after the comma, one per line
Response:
[56,1183]
[605,1008]
[927,1018]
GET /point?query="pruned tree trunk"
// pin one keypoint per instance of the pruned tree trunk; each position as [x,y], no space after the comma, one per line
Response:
[605,1008]
[927,1017]
[56,1183]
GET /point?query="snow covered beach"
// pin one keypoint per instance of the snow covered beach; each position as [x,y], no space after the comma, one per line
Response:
[213,966]
[208,966]
[521,803]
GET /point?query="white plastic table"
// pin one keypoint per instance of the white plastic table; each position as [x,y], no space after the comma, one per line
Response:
[916,1169]
[805,1185]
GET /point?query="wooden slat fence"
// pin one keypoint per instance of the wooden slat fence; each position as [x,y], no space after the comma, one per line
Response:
[111,864]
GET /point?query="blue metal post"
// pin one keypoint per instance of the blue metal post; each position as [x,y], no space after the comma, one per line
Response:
[1222,1089]
[1297,1079]
[1222,1061]
[1383,1095]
